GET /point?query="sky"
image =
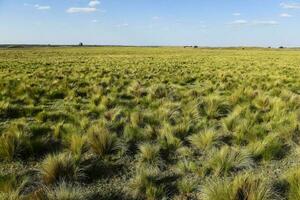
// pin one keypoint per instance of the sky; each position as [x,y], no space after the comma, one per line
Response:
[151,22]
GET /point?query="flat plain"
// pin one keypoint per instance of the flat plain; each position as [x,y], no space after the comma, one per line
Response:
[149,123]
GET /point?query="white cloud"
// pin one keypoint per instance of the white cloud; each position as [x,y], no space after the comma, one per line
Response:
[265,23]
[155,17]
[239,22]
[122,25]
[290,5]
[236,14]
[94,3]
[81,10]
[254,23]
[39,7]
[89,9]
[285,15]
[95,20]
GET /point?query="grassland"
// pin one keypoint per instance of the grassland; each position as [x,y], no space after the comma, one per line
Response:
[149,123]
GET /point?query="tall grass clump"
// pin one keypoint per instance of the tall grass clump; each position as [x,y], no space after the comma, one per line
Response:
[12,187]
[269,148]
[77,145]
[227,160]
[149,156]
[101,141]
[292,177]
[215,189]
[64,191]
[231,121]
[158,91]
[244,186]
[133,135]
[262,103]
[116,119]
[215,106]
[14,143]
[60,167]
[144,185]
[186,187]
[168,142]
[186,166]
[204,140]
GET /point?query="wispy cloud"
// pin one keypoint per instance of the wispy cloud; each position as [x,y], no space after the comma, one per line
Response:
[239,22]
[285,15]
[122,25]
[290,5]
[91,7]
[203,26]
[236,14]
[254,23]
[39,7]
[265,23]
[94,20]
[155,17]
[81,10]
[94,3]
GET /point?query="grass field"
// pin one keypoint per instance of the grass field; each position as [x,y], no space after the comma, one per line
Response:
[149,123]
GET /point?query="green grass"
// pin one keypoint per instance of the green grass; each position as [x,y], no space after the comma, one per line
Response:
[149,123]
[101,141]
[243,186]
[55,168]
[64,191]
[204,140]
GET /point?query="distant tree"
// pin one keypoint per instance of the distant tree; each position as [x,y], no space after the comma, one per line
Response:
[81,44]
[195,47]
[281,47]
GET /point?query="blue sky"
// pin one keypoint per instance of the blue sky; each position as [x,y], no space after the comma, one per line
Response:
[151,22]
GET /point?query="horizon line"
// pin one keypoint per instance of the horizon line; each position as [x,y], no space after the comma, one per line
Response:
[126,45]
